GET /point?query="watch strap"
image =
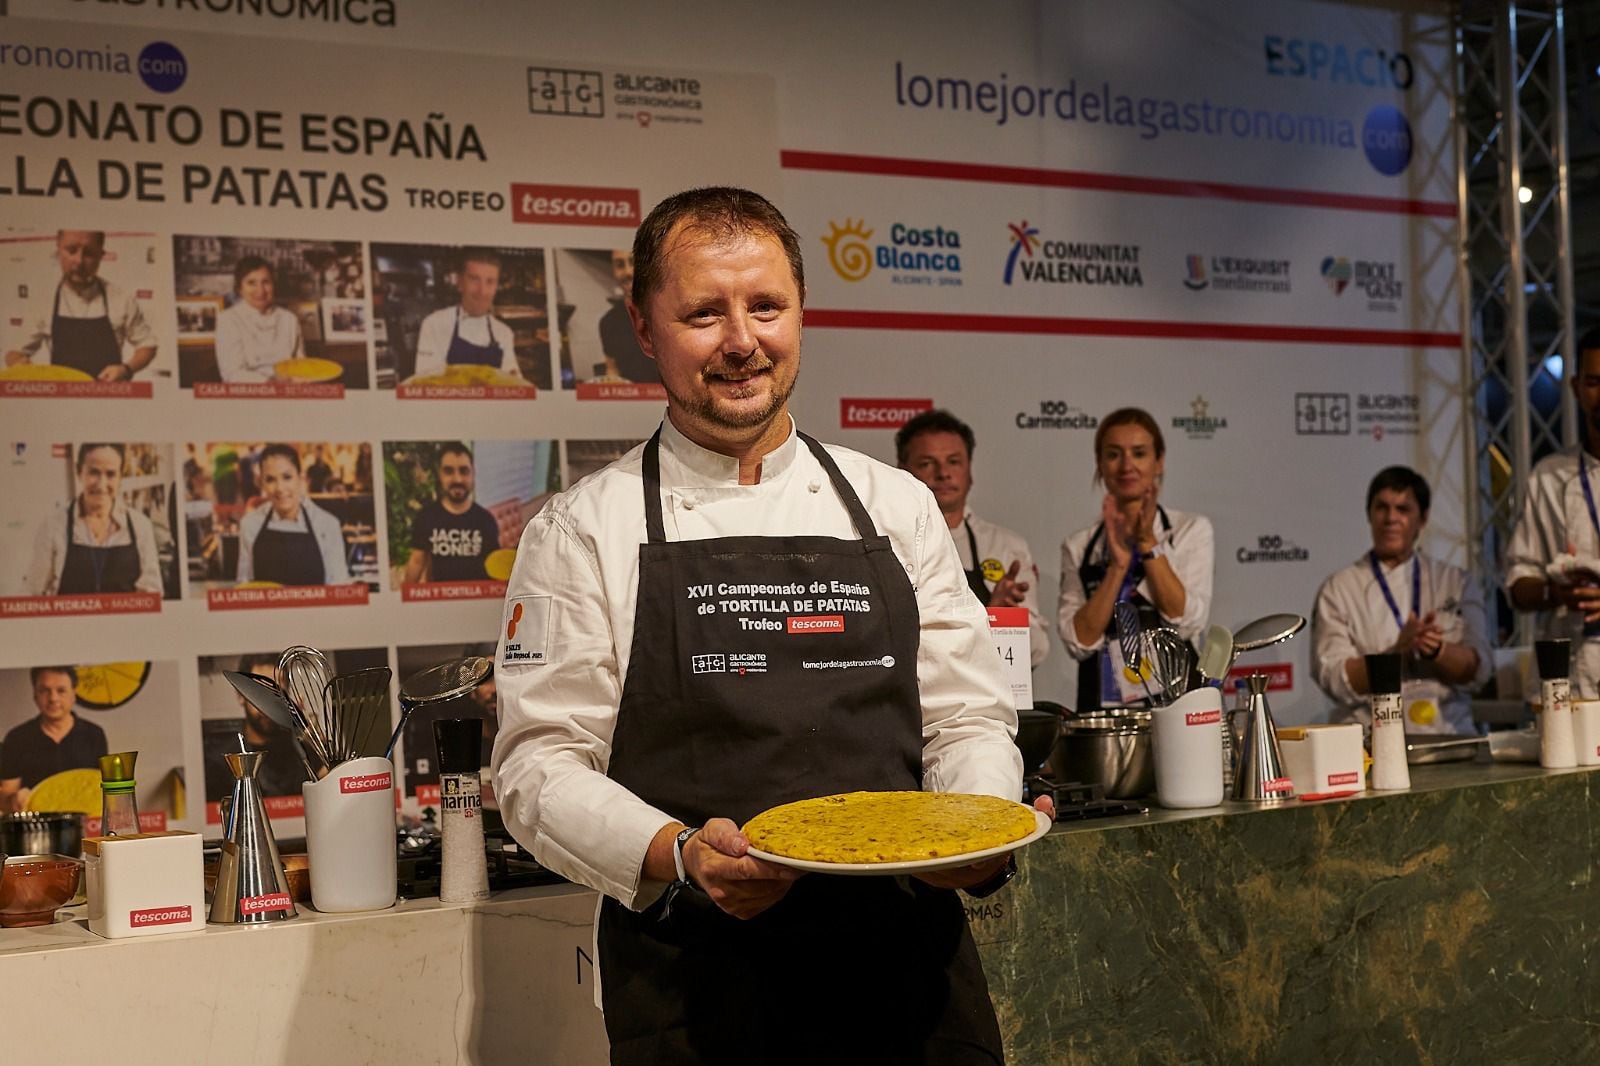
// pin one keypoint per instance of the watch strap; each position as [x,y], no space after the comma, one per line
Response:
[997,882]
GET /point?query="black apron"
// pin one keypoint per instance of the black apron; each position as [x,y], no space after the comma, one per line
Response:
[464,352]
[717,720]
[91,568]
[975,581]
[86,344]
[288,558]
[1092,571]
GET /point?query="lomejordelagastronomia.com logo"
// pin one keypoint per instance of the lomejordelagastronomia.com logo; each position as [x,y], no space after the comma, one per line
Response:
[1234,273]
[159,65]
[912,255]
[1374,277]
[1053,262]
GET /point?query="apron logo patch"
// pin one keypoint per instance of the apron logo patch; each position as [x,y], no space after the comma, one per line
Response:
[992,570]
[710,664]
[887,662]
[527,631]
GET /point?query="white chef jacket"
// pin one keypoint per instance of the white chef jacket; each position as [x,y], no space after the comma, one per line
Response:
[433,339]
[1353,618]
[582,550]
[127,320]
[251,343]
[50,547]
[1190,550]
[1000,545]
[324,527]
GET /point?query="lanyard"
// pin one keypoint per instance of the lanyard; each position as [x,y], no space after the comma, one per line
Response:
[1416,587]
[1588,493]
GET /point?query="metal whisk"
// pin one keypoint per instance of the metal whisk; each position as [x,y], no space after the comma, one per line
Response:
[1126,616]
[303,673]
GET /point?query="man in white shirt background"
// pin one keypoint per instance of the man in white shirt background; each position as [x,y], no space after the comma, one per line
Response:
[936,447]
[468,333]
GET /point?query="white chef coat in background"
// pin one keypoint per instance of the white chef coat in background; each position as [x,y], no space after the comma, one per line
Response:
[582,551]
[1352,618]
[433,340]
[1005,547]
[132,329]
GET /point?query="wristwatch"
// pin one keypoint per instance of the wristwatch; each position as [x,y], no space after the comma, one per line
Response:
[677,855]
[995,883]
[1154,553]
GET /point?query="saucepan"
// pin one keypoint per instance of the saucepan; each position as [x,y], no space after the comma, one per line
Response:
[1036,733]
[1110,748]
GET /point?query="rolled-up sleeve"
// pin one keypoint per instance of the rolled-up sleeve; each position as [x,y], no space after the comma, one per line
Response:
[1073,597]
[968,716]
[1193,558]
[556,724]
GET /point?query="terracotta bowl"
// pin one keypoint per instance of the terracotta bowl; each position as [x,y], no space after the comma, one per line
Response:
[34,886]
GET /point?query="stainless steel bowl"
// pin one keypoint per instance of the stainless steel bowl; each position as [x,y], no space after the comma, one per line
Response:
[1109,748]
[41,833]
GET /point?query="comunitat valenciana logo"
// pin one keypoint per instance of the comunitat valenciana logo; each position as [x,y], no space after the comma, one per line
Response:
[1032,260]
[159,65]
[913,255]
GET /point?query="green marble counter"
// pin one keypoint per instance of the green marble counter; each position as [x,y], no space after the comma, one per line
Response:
[1453,923]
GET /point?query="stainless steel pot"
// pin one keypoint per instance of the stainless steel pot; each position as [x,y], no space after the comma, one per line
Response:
[1109,748]
[41,833]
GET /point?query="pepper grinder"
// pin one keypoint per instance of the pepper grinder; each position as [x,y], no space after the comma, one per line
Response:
[119,809]
[1390,772]
[1557,746]
[464,877]
[251,885]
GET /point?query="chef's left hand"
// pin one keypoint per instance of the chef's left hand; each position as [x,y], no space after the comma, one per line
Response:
[1009,591]
[979,872]
[116,372]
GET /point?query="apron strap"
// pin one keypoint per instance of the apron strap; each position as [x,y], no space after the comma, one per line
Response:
[656,529]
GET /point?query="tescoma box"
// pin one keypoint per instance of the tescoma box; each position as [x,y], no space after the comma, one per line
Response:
[1324,758]
[145,884]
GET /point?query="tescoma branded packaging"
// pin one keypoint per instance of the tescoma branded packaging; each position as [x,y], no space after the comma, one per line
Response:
[1324,758]
[145,884]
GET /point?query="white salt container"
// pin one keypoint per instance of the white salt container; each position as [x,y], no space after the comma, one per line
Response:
[1324,758]
[145,884]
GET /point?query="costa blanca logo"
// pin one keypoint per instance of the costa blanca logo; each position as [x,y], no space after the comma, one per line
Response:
[1069,262]
[1322,414]
[1336,272]
[1271,548]
[877,413]
[555,91]
[575,205]
[1200,424]
[913,255]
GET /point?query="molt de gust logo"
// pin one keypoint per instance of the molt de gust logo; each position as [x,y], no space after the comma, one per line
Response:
[1336,272]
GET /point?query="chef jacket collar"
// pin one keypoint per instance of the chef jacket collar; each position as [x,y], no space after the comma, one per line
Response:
[704,468]
[119,514]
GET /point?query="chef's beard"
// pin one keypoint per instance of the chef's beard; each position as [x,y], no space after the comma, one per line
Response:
[705,407]
[458,493]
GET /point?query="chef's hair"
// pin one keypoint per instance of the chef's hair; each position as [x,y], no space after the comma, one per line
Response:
[248,662]
[1589,342]
[480,255]
[718,212]
[85,449]
[1127,416]
[287,452]
[1401,479]
[39,671]
[248,265]
[454,447]
[99,235]
[936,421]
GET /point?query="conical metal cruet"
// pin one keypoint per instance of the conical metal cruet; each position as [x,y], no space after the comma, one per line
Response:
[1259,776]
[251,885]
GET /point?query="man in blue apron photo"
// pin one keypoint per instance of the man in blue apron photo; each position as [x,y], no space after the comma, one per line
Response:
[85,321]
[467,333]
[731,617]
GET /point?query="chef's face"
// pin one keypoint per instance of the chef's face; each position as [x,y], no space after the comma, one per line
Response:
[1586,387]
[1396,521]
[79,252]
[724,330]
[622,268]
[282,485]
[53,695]
[257,724]
[940,461]
[478,284]
[456,477]
[1128,462]
[256,288]
[99,474]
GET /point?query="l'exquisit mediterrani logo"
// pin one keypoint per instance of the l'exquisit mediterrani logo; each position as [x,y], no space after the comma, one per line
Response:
[848,251]
[160,65]
[1024,240]
[913,255]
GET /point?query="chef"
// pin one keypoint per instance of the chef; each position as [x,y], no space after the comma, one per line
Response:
[1397,599]
[452,536]
[52,741]
[88,321]
[1560,518]
[624,358]
[96,543]
[288,539]
[254,335]
[936,447]
[467,334]
[645,715]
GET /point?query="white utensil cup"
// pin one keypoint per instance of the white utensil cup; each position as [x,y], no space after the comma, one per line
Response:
[350,836]
[1186,736]
[1586,731]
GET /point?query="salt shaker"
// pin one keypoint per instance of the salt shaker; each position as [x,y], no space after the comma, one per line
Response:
[464,876]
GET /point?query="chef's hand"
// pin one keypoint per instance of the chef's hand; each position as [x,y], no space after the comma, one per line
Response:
[1405,643]
[1429,638]
[1009,591]
[116,372]
[979,872]
[1144,526]
[1583,594]
[715,860]
[1118,533]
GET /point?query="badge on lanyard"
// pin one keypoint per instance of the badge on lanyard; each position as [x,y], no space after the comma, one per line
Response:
[1422,712]
[1388,596]
[992,570]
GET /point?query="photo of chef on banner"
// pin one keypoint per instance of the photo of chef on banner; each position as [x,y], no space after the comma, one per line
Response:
[584,457]
[457,322]
[420,762]
[57,720]
[276,523]
[455,510]
[600,357]
[87,529]
[228,720]
[268,317]
[78,314]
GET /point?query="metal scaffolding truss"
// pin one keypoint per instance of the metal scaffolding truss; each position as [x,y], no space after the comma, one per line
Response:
[1516,268]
